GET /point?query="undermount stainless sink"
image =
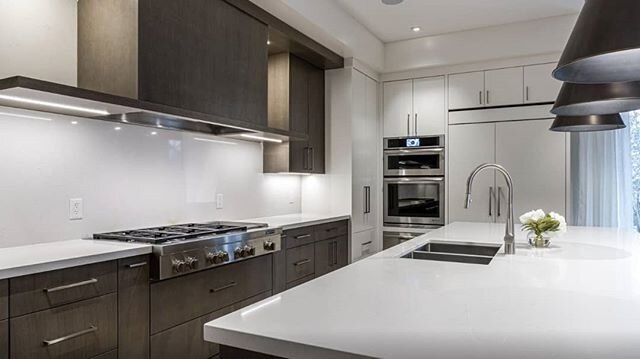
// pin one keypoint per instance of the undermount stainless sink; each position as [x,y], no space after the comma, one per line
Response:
[455,252]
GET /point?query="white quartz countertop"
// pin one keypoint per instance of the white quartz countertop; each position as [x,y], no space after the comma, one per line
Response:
[580,298]
[291,221]
[43,257]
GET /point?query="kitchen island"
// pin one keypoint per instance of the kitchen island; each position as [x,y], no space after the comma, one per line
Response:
[580,298]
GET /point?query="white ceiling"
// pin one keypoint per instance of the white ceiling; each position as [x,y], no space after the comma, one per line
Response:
[393,23]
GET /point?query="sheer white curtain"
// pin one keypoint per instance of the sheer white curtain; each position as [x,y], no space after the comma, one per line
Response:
[601,186]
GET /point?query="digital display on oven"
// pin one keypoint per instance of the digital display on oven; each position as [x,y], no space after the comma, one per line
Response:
[413,142]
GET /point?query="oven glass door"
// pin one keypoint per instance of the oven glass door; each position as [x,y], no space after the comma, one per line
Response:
[414,200]
[428,162]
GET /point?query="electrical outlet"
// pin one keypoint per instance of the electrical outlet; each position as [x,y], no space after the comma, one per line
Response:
[75,209]
[219,201]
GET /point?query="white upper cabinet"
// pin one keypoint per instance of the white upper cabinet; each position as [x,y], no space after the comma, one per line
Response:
[466,90]
[398,108]
[429,106]
[503,87]
[539,85]
[414,107]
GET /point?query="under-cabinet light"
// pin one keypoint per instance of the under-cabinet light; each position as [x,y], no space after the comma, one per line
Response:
[54,105]
[254,137]
[24,116]
[213,141]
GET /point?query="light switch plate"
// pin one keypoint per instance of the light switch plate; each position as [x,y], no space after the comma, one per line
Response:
[219,201]
[76,209]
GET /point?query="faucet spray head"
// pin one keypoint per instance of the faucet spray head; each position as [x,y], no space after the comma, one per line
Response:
[467,202]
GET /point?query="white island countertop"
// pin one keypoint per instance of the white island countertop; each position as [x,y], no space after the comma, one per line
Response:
[580,298]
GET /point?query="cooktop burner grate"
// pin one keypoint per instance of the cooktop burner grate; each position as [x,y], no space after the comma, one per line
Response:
[180,232]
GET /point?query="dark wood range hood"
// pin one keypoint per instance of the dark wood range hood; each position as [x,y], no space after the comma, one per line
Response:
[198,66]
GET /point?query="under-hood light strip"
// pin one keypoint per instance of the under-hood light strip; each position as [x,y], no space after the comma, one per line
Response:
[54,105]
[254,137]
[25,116]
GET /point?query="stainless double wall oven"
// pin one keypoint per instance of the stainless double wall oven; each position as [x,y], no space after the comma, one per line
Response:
[414,181]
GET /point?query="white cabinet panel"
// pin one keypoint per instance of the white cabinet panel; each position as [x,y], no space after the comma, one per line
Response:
[539,85]
[365,141]
[504,87]
[429,106]
[536,159]
[466,90]
[364,244]
[398,108]
[470,146]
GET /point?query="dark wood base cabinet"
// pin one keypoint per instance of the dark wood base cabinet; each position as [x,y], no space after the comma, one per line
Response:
[4,339]
[237,353]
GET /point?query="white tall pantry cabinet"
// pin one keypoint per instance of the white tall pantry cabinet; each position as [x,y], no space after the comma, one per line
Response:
[534,156]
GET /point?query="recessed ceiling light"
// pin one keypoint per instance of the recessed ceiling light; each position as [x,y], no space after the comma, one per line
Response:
[54,105]
[118,128]
[416,29]
[154,133]
[392,2]
[74,122]
[254,137]
[268,42]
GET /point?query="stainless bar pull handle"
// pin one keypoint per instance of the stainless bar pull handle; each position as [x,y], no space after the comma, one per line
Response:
[73,285]
[526,93]
[91,329]
[137,265]
[491,201]
[480,97]
[487,97]
[301,262]
[219,289]
[408,124]
[364,198]
[415,124]
[303,236]
[499,195]
[367,243]
[311,159]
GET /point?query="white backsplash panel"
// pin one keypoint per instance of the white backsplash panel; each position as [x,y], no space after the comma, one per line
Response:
[127,177]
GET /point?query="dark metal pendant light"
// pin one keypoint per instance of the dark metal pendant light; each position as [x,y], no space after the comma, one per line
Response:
[587,123]
[604,45]
[598,99]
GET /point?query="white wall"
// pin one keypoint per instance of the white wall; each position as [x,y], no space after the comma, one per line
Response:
[38,39]
[329,24]
[127,178]
[496,42]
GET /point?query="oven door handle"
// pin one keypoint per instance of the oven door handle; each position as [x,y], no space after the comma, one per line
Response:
[414,180]
[435,150]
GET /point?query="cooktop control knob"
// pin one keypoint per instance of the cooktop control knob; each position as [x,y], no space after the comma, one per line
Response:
[178,265]
[210,257]
[269,245]
[251,251]
[239,252]
[225,256]
[191,263]
[219,257]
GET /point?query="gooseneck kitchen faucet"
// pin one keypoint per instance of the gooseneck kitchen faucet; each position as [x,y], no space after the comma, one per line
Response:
[509,238]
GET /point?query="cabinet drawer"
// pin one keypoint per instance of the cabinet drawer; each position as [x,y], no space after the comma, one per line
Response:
[331,230]
[50,289]
[296,283]
[4,299]
[79,330]
[110,355]
[186,340]
[299,236]
[300,262]
[4,339]
[179,300]
[331,254]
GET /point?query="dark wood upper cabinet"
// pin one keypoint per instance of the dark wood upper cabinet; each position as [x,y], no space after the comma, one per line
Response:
[206,56]
[295,104]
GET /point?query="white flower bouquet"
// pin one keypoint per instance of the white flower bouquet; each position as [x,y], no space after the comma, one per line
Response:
[539,224]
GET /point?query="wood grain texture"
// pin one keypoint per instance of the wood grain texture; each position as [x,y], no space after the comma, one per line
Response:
[278,92]
[4,339]
[300,262]
[203,55]
[331,230]
[316,120]
[186,340]
[108,46]
[29,331]
[27,294]
[299,236]
[237,353]
[110,355]
[296,283]
[133,307]
[4,299]
[181,299]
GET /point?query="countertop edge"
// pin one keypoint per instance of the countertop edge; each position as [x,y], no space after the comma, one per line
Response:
[71,262]
[315,222]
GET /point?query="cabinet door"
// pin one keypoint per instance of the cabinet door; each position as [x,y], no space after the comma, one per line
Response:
[205,56]
[299,95]
[536,159]
[398,107]
[503,87]
[466,90]
[428,106]
[365,155]
[539,85]
[470,146]
[316,120]
[4,339]
[364,244]
[133,307]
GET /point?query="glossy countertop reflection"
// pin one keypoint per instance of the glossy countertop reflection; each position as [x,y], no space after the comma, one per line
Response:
[580,298]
